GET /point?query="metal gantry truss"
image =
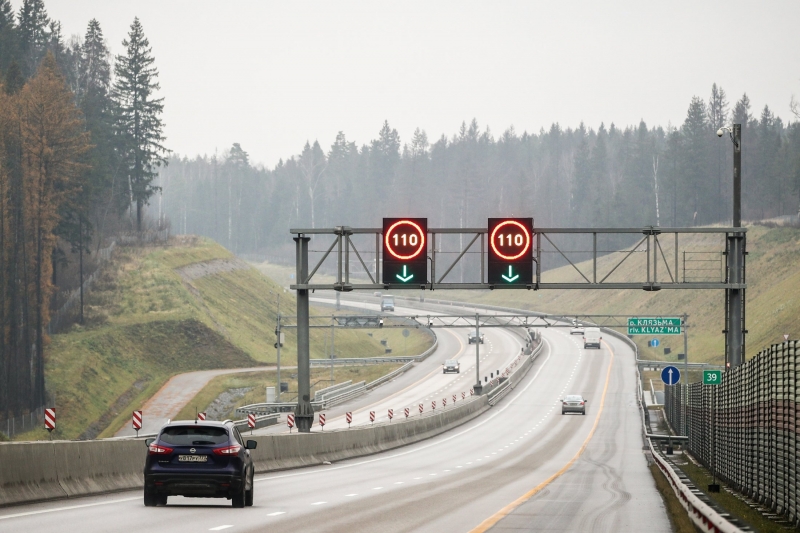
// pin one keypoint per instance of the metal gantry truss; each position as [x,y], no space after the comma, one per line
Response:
[660,271]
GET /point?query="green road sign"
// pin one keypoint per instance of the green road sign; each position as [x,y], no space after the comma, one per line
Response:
[712,377]
[654,326]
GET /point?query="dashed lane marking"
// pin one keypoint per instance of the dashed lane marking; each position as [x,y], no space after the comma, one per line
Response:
[318,503]
[69,508]
[220,528]
[276,513]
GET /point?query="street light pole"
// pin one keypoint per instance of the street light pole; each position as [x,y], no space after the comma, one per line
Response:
[734,298]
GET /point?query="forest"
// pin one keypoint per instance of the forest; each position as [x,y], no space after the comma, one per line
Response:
[80,143]
[611,176]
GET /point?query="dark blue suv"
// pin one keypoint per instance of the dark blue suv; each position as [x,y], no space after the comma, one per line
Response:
[199,459]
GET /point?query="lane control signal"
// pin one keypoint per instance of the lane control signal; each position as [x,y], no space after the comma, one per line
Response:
[510,251]
[405,244]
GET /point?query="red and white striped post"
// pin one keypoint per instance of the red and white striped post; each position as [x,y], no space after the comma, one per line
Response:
[471,391]
[444,403]
[454,398]
[201,416]
[322,421]
[421,407]
[290,421]
[372,417]
[349,417]
[433,405]
[50,419]
[407,411]
[136,421]
[463,395]
[391,415]
[251,422]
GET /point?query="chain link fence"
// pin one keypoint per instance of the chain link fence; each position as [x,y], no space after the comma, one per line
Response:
[746,428]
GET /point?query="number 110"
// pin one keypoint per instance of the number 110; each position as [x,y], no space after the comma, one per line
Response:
[513,239]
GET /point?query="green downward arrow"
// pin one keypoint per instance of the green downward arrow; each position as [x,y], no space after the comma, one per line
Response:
[509,278]
[404,278]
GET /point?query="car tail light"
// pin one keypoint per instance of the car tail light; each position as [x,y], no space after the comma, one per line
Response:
[564,403]
[157,449]
[581,403]
[228,450]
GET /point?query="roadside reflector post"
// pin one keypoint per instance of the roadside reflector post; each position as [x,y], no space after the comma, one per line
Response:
[136,421]
[50,420]
[290,421]
[349,417]
[322,421]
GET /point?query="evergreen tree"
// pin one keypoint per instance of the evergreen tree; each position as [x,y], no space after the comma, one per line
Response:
[34,34]
[718,117]
[8,36]
[695,133]
[139,117]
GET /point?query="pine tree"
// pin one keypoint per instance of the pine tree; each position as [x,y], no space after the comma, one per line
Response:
[34,34]
[53,141]
[8,36]
[139,117]
[718,117]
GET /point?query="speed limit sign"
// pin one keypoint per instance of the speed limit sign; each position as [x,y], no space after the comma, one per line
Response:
[510,251]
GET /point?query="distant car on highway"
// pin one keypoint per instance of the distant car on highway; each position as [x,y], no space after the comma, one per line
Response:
[577,329]
[472,337]
[200,460]
[574,403]
[451,365]
[387,303]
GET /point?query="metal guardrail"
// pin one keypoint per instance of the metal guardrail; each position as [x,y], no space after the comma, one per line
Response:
[746,428]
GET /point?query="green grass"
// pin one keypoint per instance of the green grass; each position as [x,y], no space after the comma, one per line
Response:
[320,379]
[144,324]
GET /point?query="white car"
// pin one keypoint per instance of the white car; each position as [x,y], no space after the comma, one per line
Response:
[472,337]
[577,329]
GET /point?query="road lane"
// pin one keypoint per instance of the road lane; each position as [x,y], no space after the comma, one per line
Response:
[452,482]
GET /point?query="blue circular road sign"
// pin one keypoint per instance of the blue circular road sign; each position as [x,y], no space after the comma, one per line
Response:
[654,343]
[670,375]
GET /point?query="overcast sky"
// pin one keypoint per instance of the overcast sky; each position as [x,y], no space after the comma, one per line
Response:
[271,75]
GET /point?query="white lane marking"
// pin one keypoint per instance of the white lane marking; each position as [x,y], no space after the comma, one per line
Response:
[417,478]
[399,482]
[431,474]
[437,443]
[219,528]
[17,515]
[377,488]
[350,495]
[318,503]
[276,513]
[459,466]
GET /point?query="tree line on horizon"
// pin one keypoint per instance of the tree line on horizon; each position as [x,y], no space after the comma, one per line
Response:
[583,177]
[80,143]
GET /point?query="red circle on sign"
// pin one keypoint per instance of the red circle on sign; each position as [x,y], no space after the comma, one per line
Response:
[524,249]
[417,229]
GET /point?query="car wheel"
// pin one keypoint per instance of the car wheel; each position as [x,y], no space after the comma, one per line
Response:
[161,499]
[584,413]
[562,412]
[150,498]
[238,500]
[248,494]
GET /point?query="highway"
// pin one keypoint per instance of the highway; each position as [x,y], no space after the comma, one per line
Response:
[426,382]
[522,466]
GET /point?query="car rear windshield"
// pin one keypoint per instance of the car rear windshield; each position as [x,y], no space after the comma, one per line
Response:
[450,362]
[574,398]
[194,435]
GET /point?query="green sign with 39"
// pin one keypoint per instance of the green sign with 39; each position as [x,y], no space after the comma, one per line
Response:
[712,377]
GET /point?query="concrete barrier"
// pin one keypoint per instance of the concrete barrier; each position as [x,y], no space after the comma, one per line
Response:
[37,471]
[281,452]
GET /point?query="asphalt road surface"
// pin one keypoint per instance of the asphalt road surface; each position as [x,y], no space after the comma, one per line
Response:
[521,466]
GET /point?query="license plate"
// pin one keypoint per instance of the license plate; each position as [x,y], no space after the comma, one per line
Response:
[193,458]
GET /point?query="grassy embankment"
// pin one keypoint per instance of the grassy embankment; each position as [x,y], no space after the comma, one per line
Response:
[144,324]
